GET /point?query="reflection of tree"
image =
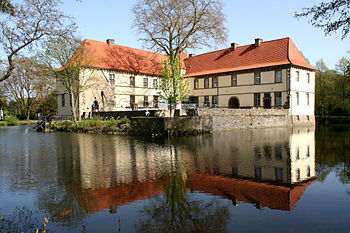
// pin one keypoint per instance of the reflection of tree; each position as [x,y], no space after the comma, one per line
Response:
[178,212]
[21,220]
[59,199]
[61,206]
[333,152]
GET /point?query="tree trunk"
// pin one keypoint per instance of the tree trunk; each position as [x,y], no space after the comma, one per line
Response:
[170,108]
[72,105]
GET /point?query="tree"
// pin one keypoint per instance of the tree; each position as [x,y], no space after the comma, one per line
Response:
[172,26]
[325,89]
[6,7]
[343,79]
[33,22]
[332,16]
[69,60]
[29,81]
[173,84]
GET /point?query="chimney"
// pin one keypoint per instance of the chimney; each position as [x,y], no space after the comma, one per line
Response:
[191,55]
[110,42]
[234,46]
[258,42]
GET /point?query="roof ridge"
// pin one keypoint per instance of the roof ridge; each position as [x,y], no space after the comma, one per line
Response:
[123,46]
[215,51]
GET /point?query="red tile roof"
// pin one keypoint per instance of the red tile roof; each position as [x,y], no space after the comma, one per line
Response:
[269,53]
[123,58]
[272,196]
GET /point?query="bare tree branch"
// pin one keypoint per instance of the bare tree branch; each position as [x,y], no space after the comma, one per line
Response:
[331,16]
[33,22]
[172,26]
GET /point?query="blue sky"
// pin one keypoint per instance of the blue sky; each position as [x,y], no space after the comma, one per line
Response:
[246,20]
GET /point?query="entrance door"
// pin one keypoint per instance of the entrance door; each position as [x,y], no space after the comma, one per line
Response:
[233,102]
[267,100]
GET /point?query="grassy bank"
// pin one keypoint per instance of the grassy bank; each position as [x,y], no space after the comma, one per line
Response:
[92,126]
[13,121]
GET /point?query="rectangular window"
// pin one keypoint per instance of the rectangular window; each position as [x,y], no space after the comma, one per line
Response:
[112,79]
[155,101]
[206,83]
[297,96]
[155,83]
[278,152]
[256,99]
[206,100]
[257,78]
[132,81]
[297,76]
[214,100]
[196,83]
[278,99]
[145,101]
[258,172]
[297,173]
[308,77]
[234,80]
[278,174]
[297,156]
[132,100]
[278,76]
[308,171]
[145,82]
[214,82]
[63,100]
[308,99]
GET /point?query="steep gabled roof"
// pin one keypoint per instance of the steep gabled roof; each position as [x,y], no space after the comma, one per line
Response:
[269,53]
[123,58]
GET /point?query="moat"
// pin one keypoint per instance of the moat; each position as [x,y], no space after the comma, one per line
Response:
[262,180]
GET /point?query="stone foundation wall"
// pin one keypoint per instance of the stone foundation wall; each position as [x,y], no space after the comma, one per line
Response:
[226,119]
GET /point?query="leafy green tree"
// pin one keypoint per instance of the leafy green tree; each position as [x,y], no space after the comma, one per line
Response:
[325,89]
[332,16]
[343,79]
[68,59]
[174,87]
[29,81]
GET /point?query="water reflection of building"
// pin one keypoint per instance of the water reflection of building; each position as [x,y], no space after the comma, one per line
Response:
[267,167]
[280,155]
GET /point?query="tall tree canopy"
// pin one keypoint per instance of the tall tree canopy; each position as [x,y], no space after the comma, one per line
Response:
[33,22]
[332,16]
[171,26]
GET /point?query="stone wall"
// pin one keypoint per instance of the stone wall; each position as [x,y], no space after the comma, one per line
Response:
[217,119]
[226,119]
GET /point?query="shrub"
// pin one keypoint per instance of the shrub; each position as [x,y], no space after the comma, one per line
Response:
[11,120]
[341,110]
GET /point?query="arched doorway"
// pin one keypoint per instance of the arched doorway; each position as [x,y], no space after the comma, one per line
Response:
[233,102]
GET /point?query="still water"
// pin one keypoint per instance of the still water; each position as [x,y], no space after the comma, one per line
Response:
[266,180]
